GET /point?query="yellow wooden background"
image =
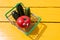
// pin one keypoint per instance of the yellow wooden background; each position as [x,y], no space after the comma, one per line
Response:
[48,10]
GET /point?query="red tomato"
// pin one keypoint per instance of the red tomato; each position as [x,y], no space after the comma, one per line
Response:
[23,21]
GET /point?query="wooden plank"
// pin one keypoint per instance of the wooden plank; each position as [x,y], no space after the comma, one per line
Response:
[2,13]
[47,14]
[11,32]
[31,2]
[51,31]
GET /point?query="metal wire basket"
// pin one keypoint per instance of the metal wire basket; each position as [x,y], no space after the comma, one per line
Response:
[35,20]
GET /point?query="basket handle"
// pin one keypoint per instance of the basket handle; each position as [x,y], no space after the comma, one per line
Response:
[12,9]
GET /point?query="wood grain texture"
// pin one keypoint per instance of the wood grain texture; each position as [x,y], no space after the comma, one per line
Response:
[48,10]
[31,2]
[46,14]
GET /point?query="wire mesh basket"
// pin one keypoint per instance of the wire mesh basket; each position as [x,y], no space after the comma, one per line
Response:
[35,20]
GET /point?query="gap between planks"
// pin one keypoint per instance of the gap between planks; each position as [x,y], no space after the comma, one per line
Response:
[33,6]
[40,22]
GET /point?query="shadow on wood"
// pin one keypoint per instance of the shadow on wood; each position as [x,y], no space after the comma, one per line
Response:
[37,33]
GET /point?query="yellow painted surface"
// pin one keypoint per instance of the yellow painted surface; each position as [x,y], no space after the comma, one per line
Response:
[31,2]
[44,31]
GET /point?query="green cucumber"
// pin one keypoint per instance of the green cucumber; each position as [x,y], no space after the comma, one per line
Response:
[20,9]
[27,11]
[15,15]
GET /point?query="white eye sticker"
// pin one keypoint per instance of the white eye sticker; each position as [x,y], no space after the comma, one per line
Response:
[23,23]
[27,24]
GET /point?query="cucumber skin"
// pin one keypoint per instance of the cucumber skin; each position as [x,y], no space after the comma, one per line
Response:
[15,15]
[20,9]
[27,12]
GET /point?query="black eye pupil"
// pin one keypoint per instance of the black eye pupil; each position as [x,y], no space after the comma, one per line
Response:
[24,18]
